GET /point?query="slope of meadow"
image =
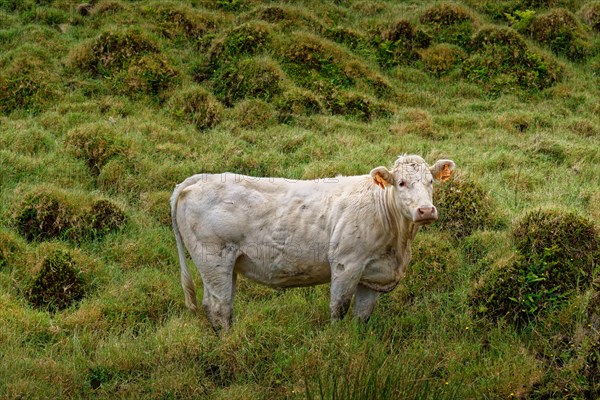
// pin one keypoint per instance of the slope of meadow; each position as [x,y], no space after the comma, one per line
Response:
[104,108]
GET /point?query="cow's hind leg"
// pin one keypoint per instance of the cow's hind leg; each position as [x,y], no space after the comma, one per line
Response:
[218,279]
[364,302]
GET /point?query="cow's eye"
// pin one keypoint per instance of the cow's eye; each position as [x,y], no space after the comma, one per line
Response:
[402,183]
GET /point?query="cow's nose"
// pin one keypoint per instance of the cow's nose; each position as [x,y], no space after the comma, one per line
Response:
[427,213]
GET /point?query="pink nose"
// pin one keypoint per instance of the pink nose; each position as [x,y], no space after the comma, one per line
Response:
[427,214]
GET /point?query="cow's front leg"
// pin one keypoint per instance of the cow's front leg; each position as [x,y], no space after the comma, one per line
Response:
[364,302]
[344,280]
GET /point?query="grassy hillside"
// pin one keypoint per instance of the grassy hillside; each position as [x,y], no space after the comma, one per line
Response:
[104,108]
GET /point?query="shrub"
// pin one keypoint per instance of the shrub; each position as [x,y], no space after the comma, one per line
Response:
[556,252]
[442,58]
[259,78]
[47,213]
[590,14]
[399,44]
[197,106]
[27,83]
[560,30]
[449,22]
[96,144]
[464,206]
[58,284]
[501,61]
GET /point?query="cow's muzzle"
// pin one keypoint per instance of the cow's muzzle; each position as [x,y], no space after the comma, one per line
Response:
[426,215]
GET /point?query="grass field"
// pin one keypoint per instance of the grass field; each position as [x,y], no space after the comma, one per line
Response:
[103,109]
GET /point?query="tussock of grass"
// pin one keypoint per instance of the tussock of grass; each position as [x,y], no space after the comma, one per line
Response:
[501,60]
[196,105]
[27,83]
[45,213]
[399,43]
[449,23]
[464,206]
[96,143]
[58,283]
[442,58]
[260,78]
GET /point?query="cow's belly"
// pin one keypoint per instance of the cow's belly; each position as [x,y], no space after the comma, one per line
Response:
[284,266]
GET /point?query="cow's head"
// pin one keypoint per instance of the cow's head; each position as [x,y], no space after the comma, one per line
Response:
[411,185]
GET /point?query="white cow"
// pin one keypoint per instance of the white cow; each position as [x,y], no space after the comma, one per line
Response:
[354,232]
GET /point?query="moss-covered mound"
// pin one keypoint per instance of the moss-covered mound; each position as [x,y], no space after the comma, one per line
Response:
[560,30]
[58,283]
[464,206]
[46,213]
[198,106]
[555,259]
[501,60]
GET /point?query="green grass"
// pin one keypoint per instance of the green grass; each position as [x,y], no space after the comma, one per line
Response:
[90,111]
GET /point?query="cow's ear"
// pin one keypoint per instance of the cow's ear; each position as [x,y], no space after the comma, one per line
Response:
[382,177]
[442,170]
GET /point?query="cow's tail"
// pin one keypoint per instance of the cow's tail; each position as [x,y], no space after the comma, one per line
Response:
[186,279]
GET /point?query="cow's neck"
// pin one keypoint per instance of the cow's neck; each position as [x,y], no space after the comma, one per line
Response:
[402,230]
